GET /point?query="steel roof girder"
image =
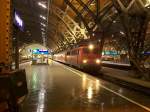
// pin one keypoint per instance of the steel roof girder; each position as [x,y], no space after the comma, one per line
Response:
[69,22]
[131,3]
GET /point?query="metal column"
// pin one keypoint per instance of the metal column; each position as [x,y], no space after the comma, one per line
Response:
[5,35]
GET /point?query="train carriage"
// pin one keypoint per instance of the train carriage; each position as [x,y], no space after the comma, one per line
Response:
[84,57]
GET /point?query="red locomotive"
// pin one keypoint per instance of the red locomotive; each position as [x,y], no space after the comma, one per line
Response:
[85,57]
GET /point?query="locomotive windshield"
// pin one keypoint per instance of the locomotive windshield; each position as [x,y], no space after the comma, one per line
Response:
[88,51]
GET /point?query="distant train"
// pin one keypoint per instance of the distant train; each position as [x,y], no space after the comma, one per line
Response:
[85,57]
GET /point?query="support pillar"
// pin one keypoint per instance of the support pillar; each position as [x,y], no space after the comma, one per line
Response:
[5,35]
[13,83]
[16,44]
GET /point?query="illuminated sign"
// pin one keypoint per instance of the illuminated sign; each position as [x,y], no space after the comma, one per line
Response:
[146,53]
[110,53]
[40,51]
[18,21]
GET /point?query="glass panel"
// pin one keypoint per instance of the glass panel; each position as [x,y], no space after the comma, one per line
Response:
[87,51]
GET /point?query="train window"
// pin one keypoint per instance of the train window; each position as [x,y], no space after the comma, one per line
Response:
[72,53]
[87,51]
[96,51]
[75,52]
[68,53]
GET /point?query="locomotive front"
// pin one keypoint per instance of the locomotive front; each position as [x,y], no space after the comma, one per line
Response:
[90,57]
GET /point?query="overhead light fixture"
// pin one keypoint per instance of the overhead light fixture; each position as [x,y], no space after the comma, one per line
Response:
[43,17]
[93,3]
[116,11]
[42,29]
[43,33]
[43,36]
[121,32]
[93,34]
[42,5]
[43,24]
[114,21]
[147,3]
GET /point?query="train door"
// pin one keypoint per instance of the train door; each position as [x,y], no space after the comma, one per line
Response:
[68,57]
[72,60]
[80,56]
[76,57]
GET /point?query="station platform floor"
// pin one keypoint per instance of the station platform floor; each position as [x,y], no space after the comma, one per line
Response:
[59,88]
[125,75]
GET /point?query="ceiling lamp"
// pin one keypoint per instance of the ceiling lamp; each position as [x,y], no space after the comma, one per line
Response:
[43,17]
[42,5]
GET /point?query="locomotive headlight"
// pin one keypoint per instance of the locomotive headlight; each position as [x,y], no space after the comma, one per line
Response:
[91,47]
[98,61]
[84,61]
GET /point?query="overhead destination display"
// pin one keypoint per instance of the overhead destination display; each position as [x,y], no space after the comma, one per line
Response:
[40,51]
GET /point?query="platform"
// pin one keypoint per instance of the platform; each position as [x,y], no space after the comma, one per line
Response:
[59,88]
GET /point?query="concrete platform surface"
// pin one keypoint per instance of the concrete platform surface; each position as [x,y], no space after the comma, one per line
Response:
[59,88]
[125,76]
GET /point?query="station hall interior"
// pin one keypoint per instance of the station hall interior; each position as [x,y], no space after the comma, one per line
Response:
[74,55]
